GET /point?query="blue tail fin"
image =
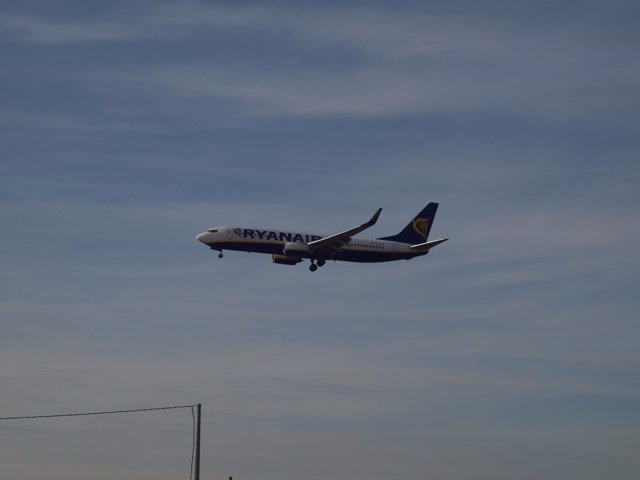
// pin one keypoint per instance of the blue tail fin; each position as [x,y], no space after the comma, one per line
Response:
[417,231]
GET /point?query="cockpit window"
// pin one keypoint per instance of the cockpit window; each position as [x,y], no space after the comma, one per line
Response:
[213,230]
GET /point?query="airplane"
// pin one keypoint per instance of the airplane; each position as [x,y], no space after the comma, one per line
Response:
[290,248]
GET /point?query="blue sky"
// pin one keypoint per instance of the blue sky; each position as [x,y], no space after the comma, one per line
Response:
[511,351]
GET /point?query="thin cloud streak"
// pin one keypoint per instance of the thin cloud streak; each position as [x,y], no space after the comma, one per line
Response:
[408,63]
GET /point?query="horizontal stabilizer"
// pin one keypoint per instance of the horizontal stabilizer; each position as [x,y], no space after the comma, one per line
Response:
[427,245]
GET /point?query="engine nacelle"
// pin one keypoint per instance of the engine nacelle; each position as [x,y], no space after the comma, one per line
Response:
[286,259]
[295,247]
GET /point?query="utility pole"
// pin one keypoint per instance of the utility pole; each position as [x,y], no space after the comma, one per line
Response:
[196,475]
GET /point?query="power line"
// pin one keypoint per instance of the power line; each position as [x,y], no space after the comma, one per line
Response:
[98,413]
[110,412]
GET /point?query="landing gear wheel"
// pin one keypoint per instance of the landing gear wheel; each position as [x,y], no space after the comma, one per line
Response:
[313,267]
[321,263]
[220,255]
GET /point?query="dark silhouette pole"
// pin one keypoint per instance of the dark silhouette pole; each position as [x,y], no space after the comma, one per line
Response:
[196,475]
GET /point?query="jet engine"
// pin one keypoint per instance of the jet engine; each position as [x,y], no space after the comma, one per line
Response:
[292,247]
[286,259]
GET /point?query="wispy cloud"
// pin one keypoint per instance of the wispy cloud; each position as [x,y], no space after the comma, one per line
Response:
[45,30]
[401,63]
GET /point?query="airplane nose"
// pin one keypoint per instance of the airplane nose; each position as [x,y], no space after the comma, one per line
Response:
[202,237]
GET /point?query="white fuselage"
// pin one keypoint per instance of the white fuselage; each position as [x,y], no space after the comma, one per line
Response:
[282,242]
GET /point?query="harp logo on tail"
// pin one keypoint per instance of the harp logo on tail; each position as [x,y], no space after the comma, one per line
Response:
[420,225]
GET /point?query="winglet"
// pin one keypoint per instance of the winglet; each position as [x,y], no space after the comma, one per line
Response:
[374,219]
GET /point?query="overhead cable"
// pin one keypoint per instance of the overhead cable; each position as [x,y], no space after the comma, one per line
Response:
[97,413]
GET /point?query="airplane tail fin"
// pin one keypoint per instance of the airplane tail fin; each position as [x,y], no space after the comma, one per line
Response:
[417,231]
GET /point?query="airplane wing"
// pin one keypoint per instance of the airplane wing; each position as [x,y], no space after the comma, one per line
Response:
[333,243]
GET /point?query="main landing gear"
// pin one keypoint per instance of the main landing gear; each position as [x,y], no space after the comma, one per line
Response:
[314,266]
